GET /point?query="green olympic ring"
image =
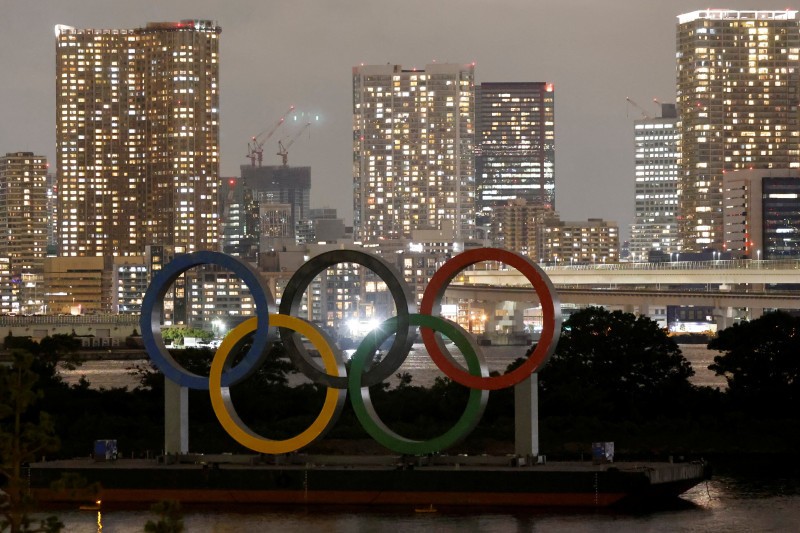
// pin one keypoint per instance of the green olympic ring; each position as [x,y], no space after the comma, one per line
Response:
[362,403]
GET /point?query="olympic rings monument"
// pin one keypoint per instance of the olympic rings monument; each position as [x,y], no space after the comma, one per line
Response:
[420,476]
[269,326]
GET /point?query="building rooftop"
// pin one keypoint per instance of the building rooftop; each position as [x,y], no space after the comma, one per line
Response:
[732,14]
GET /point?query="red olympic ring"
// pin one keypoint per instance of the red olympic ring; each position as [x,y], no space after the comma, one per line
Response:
[551,311]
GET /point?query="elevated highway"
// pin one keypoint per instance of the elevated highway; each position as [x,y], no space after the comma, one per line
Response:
[637,297]
[734,289]
[726,273]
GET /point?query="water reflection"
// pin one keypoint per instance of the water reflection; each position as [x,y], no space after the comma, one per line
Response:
[715,507]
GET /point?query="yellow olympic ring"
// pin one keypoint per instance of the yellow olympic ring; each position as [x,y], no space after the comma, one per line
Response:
[221,399]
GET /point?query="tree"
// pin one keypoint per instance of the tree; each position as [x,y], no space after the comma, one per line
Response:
[614,363]
[176,334]
[761,362]
[24,435]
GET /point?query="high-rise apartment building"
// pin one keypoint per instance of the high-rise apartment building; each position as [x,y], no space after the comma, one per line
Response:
[23,211]
[591,241]
[515,145]
[137,131]
[516,225]
[738,87]
[762,213]
[413,150]
[656,174]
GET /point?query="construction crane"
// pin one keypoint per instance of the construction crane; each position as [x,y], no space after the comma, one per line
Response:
[640,108]
[283,149]
[255,148]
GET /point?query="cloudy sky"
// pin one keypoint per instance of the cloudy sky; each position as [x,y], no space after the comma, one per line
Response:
[300,52]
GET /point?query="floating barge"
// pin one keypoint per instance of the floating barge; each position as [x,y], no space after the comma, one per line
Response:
[456,481]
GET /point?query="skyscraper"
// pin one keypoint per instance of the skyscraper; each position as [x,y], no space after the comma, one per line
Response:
[656,184]
[137,131]
[23,212]
[413,141]
[738,90]
[515,145]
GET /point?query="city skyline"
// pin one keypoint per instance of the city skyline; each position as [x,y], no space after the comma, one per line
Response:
[275,56]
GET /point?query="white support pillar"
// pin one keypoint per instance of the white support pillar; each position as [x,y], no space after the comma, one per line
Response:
[519,317]
[176,418]
[526,417]
[723,316]
[490,326]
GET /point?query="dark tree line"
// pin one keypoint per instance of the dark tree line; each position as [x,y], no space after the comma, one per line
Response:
[761,362]
[614,376]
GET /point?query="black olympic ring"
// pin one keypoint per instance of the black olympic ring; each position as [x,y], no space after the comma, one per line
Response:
[403,301]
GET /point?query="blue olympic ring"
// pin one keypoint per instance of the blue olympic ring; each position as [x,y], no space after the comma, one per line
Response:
[152,313]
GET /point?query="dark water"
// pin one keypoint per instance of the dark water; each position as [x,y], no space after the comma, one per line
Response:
[724,504]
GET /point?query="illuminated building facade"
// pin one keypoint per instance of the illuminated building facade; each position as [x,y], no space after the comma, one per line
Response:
[762,213]
[738,88]
[24,225]
[52,214]
[516,225]
[23,211]
[593,241]
[137,131]
[413,150]
[78,285]
[129,281]
[239,219]
[217,299]
[515,145]
[9,301]
[656,161]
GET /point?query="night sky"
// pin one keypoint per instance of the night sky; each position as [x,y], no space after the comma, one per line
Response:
[300,52]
